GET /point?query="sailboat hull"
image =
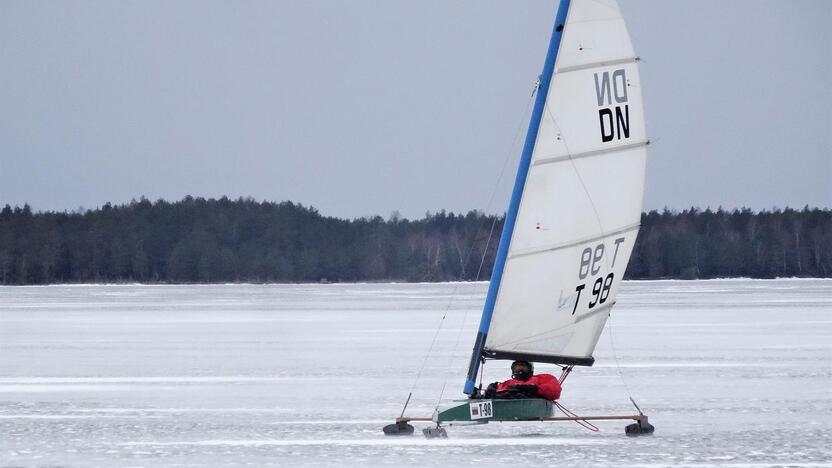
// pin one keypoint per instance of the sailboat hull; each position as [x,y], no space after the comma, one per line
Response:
[481,411]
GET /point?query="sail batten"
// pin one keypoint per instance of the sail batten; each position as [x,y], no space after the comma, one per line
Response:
[562,360]
[607,63]
[552,248]
[588,154]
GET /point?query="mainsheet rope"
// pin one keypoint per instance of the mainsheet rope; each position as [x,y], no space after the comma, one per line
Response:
[581,422]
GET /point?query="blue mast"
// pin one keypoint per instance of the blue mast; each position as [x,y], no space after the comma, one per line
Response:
[516,195]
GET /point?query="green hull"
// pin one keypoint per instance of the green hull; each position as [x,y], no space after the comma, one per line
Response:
[531,409]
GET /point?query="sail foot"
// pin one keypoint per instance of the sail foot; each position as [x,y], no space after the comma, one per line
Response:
[516,356]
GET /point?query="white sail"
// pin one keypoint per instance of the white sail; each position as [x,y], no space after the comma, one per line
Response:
[581,204]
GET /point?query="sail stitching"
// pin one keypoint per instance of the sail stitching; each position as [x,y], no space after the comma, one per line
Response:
[597,20]
[595,312]
[616,12]
[608,6]
[588,154]
[555,247]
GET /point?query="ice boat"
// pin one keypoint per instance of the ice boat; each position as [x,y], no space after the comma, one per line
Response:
[573,216]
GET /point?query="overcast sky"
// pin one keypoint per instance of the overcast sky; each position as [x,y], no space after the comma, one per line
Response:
[365,107]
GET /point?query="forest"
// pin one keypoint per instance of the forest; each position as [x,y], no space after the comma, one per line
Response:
[197,240]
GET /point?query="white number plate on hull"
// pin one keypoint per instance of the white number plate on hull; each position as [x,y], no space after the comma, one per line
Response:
[481,410]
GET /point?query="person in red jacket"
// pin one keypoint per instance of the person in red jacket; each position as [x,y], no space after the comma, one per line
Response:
[525,384]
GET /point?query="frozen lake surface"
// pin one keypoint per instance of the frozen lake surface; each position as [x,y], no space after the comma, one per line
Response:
[731,372]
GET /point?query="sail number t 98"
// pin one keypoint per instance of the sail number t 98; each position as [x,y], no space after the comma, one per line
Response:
[592,260]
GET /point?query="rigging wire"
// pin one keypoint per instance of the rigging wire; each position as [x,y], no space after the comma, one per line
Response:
[465,315]
[432,343]
[491,198]
[618,365]
[565,371]
[465,318]
[485,250]
[453,296]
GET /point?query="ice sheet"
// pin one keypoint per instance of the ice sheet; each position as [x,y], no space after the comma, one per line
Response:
[731,372]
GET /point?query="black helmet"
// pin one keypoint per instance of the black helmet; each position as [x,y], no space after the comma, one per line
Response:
[522,373]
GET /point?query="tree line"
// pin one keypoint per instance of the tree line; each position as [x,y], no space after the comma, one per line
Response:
[197,240]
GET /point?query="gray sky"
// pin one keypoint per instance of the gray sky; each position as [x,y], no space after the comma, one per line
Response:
[364,107]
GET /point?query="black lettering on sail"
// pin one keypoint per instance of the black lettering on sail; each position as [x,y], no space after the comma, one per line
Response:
[622,122]
[602,89]
[604,124]
[613,125]
[619,84]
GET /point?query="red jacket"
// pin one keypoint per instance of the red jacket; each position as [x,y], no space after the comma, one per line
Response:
[548,386]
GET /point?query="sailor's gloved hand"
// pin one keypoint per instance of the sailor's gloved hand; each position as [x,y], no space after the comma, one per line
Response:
[490,391]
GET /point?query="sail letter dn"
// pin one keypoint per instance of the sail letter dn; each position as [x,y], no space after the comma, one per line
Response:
[614,121]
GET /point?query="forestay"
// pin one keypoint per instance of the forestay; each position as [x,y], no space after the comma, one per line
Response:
[581,202]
